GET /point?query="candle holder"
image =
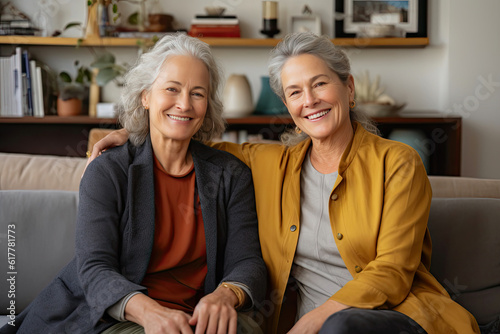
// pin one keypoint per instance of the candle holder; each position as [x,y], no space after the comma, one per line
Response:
[270,18]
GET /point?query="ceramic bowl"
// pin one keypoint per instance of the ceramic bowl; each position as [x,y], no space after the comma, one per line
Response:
[214,10]
[380,110]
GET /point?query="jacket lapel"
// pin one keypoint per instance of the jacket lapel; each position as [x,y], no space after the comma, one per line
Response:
[141,211]
[208,178]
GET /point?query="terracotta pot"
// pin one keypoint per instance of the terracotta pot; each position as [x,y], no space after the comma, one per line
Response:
[71,107]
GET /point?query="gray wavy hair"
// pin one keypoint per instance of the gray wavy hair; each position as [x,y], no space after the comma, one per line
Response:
[140,78]
[296,44]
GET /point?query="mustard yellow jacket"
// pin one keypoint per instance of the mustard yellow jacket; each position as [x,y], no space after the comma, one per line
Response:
[378,207]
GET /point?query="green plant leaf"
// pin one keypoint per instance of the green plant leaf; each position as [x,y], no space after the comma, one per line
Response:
[133,19]
[65,77]
[72,24]
[104,60]
[115,8]
[105,75]
[89,3]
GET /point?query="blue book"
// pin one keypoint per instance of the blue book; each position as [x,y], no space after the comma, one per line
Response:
[29,89]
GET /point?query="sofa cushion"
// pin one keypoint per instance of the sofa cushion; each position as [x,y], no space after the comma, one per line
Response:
[43,224]
[25,171]
[466,252]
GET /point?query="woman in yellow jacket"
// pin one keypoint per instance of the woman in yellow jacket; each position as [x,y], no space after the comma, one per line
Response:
[342,212]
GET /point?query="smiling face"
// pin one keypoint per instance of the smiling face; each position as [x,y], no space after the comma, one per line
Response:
[178,99]
[316,98]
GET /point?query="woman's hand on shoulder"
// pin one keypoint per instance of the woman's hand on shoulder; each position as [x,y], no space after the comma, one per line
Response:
[115,138]
[215,313]
[312,321]
[155,318]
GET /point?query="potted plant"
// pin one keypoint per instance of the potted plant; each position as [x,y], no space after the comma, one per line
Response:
[73,92]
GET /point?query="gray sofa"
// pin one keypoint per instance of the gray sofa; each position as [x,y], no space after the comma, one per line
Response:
[38,195]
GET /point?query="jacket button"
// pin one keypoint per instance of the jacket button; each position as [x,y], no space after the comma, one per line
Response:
[357,269]
[334,197]
[339,236]
[293,228]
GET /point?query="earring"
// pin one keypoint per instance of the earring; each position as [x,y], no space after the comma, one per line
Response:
[352,104]
[146,108]
[298,130]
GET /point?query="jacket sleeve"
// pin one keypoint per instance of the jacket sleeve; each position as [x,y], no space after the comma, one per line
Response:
[386,280]
[99,237]
[246,152]
[243,261]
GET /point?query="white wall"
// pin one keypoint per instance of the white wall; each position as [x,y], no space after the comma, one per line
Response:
[464,46]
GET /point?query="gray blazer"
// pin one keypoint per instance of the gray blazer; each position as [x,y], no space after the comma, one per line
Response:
[114,237]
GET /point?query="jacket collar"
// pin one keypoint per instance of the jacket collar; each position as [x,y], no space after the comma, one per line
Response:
[300,150]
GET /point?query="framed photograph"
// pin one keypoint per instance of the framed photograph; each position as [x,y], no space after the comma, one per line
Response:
[378,18]
[305,23]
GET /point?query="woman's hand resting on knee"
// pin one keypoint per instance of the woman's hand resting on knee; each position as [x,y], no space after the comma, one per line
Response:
[214,314]
[312,321]
[155,318]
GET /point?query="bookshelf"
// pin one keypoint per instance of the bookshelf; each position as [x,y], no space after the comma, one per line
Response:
[68,136]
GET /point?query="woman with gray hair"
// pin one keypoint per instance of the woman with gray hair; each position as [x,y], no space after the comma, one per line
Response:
[342,212]
[166,238]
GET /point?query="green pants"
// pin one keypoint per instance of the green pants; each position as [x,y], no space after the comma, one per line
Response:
[246,325]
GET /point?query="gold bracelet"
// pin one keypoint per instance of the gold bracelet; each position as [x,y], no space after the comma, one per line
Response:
[240,294]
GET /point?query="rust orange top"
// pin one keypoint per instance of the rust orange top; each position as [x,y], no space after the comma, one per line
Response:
[178,263]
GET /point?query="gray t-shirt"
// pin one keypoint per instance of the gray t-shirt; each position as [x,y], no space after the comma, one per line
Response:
[317,267]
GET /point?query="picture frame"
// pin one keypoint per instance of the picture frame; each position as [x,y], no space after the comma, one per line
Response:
[304,23]
[354,18]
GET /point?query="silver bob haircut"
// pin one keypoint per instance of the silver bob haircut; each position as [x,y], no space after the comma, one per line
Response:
[141,76]
[296,44]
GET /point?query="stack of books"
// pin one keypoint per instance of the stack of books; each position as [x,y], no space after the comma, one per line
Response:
[215,26]
[21,92]
[15,22]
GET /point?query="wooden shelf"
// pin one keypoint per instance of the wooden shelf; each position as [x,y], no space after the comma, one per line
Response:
[218,42]
[381,42]
[58,120]
[114,41]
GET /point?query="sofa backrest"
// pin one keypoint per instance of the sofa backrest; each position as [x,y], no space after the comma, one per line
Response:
[37,238]
[465,235]
[452,186]
[26,171]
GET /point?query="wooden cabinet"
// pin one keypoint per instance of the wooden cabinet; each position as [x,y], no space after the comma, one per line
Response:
[68,136]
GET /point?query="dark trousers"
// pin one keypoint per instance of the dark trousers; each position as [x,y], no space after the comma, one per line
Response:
[355,320]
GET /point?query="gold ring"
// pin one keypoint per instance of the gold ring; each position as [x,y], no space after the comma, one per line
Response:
[88,154]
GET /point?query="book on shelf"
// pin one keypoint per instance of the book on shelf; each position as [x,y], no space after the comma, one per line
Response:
[34,89]
[144,34]
[215,21]
[18,83]
[200,16]
[39,92]
[28,94]
[215,31]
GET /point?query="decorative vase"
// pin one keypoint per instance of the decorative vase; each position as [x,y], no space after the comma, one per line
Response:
[414,138]
[269,103]
[237,97]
